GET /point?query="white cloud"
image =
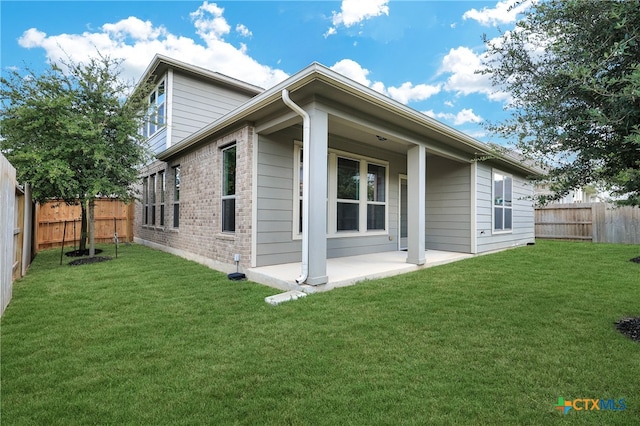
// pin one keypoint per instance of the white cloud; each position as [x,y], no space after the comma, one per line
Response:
[353,70]
[134,28]
[461,64]
[505,12]
[462,117]
[353,12]
[209,22]
[406,93]
[331,31]
[137,41]
[243,30]
[378,86]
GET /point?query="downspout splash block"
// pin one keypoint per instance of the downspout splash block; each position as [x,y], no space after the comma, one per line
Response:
[277,299]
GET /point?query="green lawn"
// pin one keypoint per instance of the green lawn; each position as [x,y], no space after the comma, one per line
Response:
[150,338]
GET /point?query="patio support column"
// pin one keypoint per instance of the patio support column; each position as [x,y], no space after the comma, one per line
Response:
[416,185]
[318,149]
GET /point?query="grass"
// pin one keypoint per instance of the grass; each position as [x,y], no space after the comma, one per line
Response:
[150,338]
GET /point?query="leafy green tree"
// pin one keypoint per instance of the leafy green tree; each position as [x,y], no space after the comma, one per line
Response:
[72,132]
[572,68]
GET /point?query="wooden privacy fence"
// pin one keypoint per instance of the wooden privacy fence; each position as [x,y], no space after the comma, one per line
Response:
[596,222]
[16,222]
[110,216]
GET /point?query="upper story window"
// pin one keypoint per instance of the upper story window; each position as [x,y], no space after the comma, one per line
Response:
[502,202]
[156,116]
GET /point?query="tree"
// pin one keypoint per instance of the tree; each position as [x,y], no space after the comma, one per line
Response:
[572,68]
[72,132]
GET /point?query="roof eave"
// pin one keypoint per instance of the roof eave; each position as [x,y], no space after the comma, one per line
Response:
[160,59]
[252,105]
[316,71]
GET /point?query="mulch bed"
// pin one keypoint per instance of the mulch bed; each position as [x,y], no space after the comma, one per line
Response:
[78,253]
[89,260]
[630,327]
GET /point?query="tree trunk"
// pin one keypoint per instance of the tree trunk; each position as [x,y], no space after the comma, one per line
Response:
[83,227]
[92,228]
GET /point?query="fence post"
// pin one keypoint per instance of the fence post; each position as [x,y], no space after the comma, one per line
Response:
[64,232]
[130,218]
[598,220]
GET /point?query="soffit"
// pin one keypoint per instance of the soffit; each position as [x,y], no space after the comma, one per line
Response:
[350,106]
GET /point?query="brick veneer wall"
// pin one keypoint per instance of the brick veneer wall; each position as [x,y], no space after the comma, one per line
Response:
[199,234]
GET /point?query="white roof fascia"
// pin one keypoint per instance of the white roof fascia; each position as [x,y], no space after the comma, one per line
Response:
[320,72]
[174,63]
[267,97]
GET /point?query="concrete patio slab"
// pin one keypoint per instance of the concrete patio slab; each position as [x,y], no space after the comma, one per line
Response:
[345,271]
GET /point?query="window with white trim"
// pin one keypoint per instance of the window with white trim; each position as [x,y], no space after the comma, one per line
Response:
[152,196]
[145,201]
[357,193]
[348,203]
[156,115]
[298,181]
[229,189]
[376,197]
[162,189]
[502,202]
[176,196]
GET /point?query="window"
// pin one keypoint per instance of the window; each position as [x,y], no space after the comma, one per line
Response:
[156,116]
[357,193]
[298,185]
[360,194]
[152,192]
[376,192]
[145,201]
[229,189]
[162,185]
[502,202]
[348,195]
[176,196]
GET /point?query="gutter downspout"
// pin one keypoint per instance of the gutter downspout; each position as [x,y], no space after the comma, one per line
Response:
[305,186]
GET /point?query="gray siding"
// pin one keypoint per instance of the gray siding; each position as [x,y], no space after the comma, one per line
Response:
[158,142]
[197,103]
[351,246]
[448,209]
[523,212]
[275,242]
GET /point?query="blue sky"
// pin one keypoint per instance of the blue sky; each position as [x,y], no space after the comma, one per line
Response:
[421,53]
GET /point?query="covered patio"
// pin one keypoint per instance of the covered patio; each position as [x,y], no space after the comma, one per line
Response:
[346,271]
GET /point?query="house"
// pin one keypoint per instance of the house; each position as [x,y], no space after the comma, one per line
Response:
[586,194]
[314,168]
